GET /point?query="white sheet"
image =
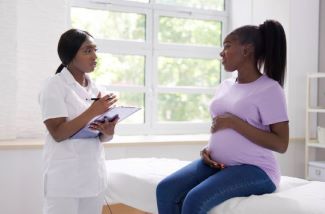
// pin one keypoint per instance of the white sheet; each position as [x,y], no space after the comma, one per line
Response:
[133,182]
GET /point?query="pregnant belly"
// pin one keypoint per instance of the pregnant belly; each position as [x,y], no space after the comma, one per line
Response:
[228,147]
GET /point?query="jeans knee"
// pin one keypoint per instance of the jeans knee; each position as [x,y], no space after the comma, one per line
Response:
[193,204]
[162,190]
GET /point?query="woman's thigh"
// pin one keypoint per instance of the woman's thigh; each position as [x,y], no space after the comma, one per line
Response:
[180,182]
[234,181]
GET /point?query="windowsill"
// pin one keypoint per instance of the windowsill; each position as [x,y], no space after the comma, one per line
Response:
[118,141]
[122,141]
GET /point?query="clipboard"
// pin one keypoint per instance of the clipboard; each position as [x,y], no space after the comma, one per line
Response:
[119,111]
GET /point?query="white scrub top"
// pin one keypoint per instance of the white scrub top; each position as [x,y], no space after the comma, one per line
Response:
[73,167]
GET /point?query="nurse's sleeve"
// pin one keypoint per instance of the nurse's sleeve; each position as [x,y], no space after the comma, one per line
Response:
[52,101]
[272,105]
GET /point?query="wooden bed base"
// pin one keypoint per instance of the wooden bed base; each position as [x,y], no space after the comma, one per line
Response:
[121,209]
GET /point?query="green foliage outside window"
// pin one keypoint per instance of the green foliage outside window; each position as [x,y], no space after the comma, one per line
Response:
[110,25]
[119,69]
[189,31]
[184,107]
[202,4]
[188,72]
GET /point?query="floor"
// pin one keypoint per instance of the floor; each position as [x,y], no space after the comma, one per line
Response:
[121,209]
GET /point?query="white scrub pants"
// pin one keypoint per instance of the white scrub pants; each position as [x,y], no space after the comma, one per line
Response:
[65,205]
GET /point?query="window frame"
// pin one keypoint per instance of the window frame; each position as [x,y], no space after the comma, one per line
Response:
[151,49]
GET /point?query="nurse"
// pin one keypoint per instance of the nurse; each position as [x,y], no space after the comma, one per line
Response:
[74,169]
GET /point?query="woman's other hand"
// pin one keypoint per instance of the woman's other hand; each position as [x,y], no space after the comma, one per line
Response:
[205,155]
[225,121]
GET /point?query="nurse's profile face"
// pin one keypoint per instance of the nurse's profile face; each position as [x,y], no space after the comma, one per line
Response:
[85,59]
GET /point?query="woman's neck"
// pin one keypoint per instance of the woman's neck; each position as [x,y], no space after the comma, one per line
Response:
[248,74]
[79,76]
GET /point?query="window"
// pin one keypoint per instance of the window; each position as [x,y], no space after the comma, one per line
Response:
[160,55]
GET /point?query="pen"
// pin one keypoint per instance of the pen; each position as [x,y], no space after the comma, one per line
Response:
[97,98]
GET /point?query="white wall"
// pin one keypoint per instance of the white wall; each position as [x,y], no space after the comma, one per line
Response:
[30,32]
[20,181]
[303,58]
[321,85]
[8,65]
[40,23]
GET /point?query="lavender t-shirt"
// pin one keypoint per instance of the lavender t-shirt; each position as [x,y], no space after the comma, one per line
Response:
[259,103]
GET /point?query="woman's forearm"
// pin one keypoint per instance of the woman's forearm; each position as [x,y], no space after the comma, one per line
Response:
[61,129]
[276,140]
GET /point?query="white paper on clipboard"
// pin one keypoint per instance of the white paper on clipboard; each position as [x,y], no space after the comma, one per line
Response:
[121,111]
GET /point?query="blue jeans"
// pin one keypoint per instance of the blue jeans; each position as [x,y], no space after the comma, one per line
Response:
[197,188]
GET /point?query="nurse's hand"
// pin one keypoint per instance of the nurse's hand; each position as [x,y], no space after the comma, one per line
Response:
[106,127]
[102,104]
[205,155]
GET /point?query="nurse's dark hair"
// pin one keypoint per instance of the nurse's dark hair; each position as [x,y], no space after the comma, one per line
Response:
[69,44]
[270,48]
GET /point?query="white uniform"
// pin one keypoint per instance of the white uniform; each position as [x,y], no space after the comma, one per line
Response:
[73,168]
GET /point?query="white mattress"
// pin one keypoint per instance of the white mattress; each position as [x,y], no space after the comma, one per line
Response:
[133,182]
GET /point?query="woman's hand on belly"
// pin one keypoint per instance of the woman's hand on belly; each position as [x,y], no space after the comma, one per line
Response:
[205,155]
[224,121]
